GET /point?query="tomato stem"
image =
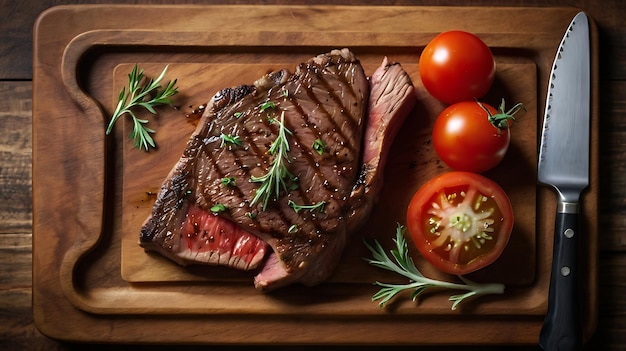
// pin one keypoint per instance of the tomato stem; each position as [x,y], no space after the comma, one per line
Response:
[501,119]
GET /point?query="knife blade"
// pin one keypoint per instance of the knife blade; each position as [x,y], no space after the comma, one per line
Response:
[564,166]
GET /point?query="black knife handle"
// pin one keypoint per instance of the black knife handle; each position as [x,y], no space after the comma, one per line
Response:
[561,328]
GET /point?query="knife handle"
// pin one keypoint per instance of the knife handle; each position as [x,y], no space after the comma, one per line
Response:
[561,328]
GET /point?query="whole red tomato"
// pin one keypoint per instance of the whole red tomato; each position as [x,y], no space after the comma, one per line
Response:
[460,221]
[472,136]
[457,66]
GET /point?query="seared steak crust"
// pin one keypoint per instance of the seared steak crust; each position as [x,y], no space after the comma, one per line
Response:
[325,99]
[205,213]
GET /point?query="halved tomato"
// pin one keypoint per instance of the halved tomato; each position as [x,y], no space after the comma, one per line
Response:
[460,221]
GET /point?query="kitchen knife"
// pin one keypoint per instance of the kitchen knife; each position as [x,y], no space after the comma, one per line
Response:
[564,165]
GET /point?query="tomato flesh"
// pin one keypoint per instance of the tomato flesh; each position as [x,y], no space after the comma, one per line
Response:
[460,221]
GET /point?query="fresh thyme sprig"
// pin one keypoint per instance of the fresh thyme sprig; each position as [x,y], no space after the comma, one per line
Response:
[275,178]
[147,96]
[403,264]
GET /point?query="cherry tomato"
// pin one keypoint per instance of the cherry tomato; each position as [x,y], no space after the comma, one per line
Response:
[460,221]
[457,66]
[472,136]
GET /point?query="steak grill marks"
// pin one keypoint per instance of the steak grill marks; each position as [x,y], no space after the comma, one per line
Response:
[324,99]
[307,108]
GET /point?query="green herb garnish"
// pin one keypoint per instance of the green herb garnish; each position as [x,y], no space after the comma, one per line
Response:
[275,178]
[319,145]
[266,105]
[318,206]
[403,264]
[228,181]
[218,208]
[230,139]
[148,97]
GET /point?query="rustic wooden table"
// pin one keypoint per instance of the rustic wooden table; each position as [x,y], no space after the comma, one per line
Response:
[17,330]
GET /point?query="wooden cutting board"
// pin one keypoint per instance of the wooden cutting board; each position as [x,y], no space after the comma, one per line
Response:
[91,193]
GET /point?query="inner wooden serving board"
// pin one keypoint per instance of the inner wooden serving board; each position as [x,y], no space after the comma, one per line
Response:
[91,193]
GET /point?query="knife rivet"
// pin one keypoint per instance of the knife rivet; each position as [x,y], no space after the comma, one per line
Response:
[569,233]
[565,271]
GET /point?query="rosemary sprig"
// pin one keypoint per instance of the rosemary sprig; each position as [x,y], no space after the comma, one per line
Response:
[403,264]
[147,96]
[275,178]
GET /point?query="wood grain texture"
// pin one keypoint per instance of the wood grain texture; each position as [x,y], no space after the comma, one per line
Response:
[612,206]
[410,164]
[16,31]
[17,331]
[80,235]
[15,153]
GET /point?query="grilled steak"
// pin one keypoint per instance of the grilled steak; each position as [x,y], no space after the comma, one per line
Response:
[213,208]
